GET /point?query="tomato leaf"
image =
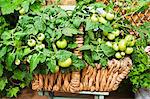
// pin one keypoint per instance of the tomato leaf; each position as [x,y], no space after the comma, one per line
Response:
[63,55]
[34,62]
[26,51]
[1,70]
[3,51]
[9,61]
[77,63]
[13,91]
[18,75]
[51,63]
[3,82]
[86,47]
[108,51]
[72,45]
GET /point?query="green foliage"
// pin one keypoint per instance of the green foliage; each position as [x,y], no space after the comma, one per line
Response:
[9,6]
[140,76]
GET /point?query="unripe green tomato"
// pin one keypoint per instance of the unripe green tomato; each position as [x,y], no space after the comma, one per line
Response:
[108,43]
[56,69]
[65,63]
[130,40]
[94,18]
[111,36]
[22,11]
[102,20]
[99,40]
[41,36]
[61,43]
[105,33]
[118,55]
[115,26]
[129,50]
[115,47]
[103,14]
[123,53]
[122,45]
[110,16]
[31,42]
[17,62]
[116,32]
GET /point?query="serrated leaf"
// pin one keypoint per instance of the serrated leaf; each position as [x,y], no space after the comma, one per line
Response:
[51,63]
[72,45]
[77,63]
[3,82]
[108,51]
[13,92]
[34,62]
[86,47]
[1,69]
[26,51]
[39,24]
[63,55]
[18,75]
[3,51]
[69,31]
[9,61]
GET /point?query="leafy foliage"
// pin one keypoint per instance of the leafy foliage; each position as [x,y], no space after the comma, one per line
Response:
[140,76]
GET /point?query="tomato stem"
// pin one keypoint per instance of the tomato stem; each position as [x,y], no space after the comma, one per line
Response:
[54,47]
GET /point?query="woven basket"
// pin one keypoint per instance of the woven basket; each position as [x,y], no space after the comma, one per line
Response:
[90,79]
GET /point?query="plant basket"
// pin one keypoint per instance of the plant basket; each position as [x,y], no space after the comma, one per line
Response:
[90,78]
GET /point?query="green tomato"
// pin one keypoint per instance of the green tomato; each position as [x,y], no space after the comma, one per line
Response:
[130,40]
[108,43]
[22,11]
[31,42]
[56,69]
[116,32]
[65,63]
[129,50]
[17,62]
[111,36]
[123,53]
[122,45]
[110,16]
[94,18]
[105,33]
[102,20]
[115,47]
[99,40]
[118,55]
[41,36]
[40,46]
[28,58]
[103,14]
[115,26]
[61,43]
